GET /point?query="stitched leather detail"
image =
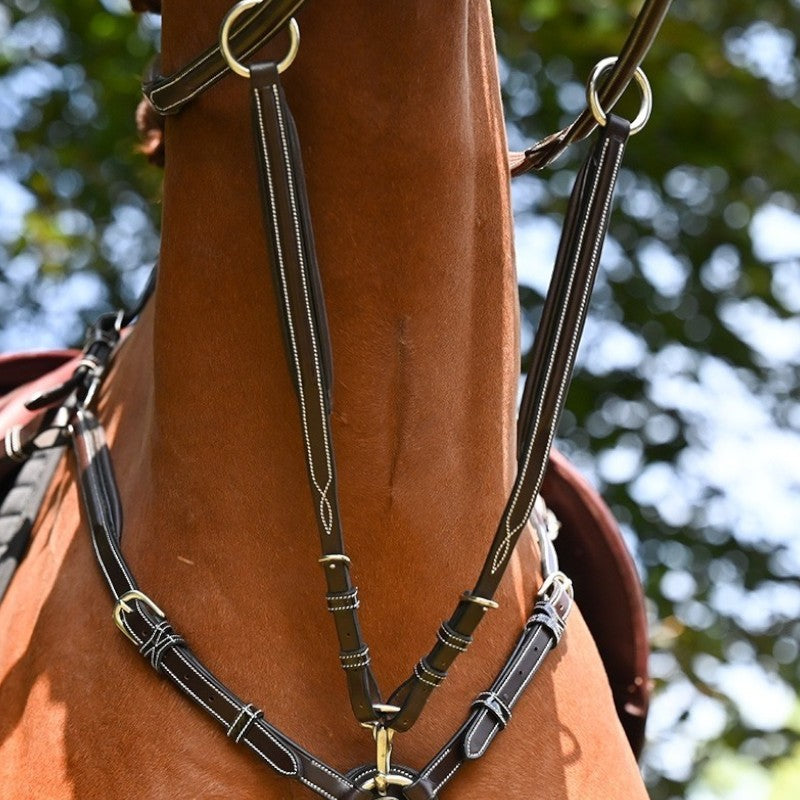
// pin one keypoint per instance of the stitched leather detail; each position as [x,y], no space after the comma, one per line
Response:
[492,702]
[545,614]
[343,601]
[162,637]
[451,638]
[427,674]
[356,659]
[244,719]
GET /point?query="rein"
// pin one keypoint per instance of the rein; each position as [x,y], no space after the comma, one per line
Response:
[67,416]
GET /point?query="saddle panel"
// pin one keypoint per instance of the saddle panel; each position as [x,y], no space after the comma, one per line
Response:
[608,591]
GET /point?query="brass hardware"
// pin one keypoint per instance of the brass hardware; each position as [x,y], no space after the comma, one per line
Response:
[383,757]
[480,601]
[594,101]
[333,559]
[122,605]
[225,32]
[389,780]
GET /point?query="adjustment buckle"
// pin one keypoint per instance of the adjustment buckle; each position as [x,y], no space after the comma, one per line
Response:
[122,605]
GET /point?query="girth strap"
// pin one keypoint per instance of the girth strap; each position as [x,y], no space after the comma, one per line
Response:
[20,507]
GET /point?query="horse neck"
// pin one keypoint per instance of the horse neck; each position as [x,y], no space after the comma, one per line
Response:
[399,117]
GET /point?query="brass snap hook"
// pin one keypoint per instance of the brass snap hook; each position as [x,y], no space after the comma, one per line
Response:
[594,101]
[225,35]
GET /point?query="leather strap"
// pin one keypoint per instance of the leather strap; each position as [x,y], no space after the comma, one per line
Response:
[287,225]
[491,710]
[168,653]
[546,386]
[296,275]
[147,627]
[643,33]
[168,95]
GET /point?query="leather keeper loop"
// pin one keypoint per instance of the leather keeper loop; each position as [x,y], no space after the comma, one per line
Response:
[162,637]
[451,638]
[546,615]
[244,719]
[343,601]
[427,674]
[495,706]
[357,659]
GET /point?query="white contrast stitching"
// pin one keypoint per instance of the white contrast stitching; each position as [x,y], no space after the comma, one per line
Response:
[327,519]
[316,788]
[503,549]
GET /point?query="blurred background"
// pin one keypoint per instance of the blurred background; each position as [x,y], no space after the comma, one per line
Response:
[685,410]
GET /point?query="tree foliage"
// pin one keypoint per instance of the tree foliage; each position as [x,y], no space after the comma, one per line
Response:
[684,410]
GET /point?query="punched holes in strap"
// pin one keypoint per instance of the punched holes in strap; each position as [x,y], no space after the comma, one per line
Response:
[244,719]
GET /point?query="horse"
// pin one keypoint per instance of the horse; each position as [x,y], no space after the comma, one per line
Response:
[399,115]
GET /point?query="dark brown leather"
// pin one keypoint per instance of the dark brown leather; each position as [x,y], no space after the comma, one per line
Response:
[290,242]
[168,95]
[170,655]
[553,357]
[640,40]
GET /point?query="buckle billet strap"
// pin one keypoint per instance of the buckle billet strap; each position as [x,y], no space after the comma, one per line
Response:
[169,95]
[491,710]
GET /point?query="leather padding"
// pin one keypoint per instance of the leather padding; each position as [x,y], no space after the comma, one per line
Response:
[608,591]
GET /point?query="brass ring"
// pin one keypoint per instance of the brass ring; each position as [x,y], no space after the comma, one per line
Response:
[594,101]
[225,45]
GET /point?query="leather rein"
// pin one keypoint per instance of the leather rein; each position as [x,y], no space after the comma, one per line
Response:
[66,415]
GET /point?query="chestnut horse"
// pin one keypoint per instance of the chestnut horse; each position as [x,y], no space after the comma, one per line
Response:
[398,109]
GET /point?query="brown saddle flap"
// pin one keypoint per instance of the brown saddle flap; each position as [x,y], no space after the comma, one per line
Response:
[607,588]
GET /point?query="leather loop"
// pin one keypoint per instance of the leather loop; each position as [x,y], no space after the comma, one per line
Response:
[637,45]
[170,94]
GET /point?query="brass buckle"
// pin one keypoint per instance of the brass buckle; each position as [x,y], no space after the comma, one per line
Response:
[122,605]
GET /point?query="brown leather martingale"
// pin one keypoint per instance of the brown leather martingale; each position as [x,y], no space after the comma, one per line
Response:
[288,229]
